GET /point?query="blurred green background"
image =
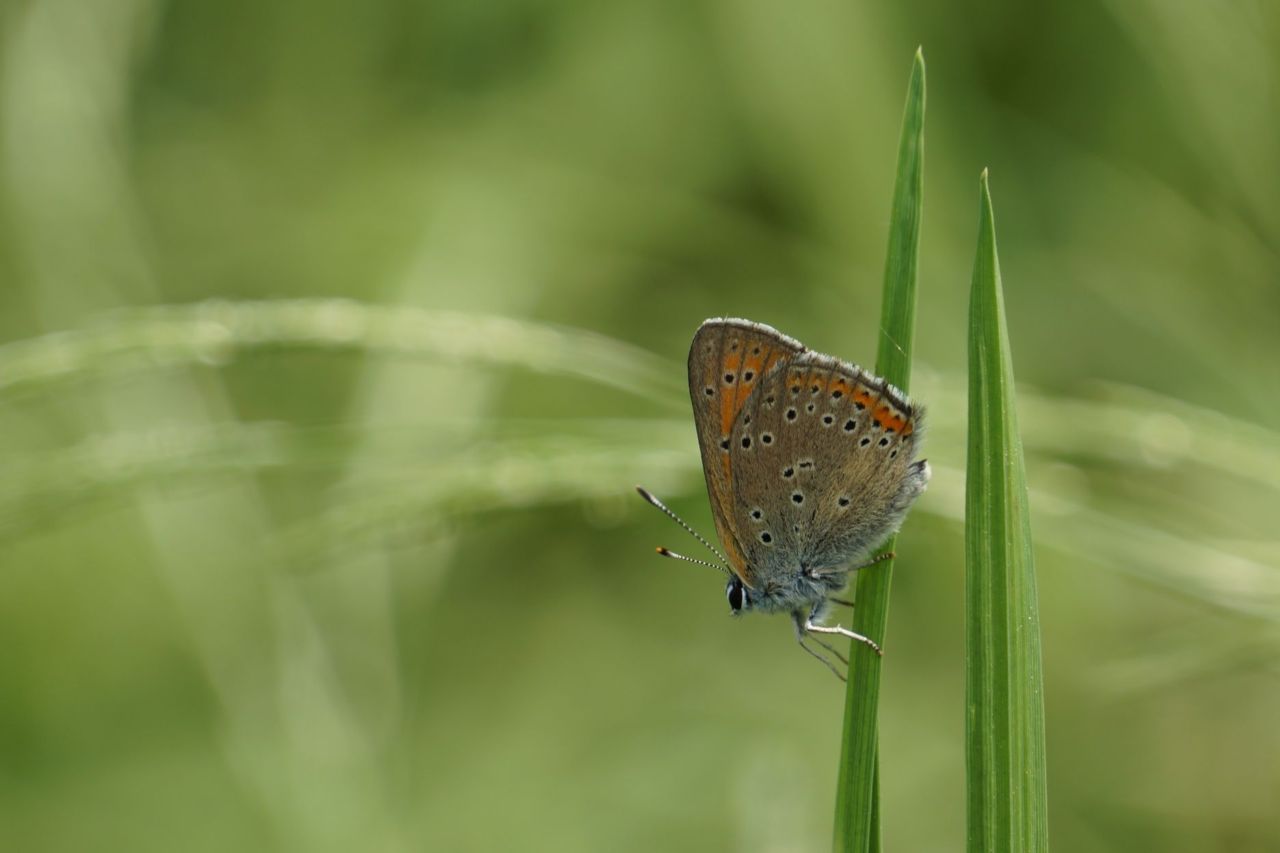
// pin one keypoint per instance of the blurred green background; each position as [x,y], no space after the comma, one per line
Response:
[336,335]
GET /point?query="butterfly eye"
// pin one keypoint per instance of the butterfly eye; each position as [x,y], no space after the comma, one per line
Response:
[737,595]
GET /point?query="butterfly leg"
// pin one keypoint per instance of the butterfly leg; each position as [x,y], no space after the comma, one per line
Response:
[844,660]
[828,664]
[801,635]
[811,626]
[879,558]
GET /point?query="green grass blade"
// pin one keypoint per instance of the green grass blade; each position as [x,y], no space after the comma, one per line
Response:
[857,820]
[1004,731]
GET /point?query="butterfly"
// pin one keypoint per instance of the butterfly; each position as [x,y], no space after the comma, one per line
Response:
[810,465]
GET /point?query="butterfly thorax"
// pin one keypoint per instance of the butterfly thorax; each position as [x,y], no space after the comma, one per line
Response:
[801,589]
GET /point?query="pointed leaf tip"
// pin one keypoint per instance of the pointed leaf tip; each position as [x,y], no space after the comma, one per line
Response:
[1004,717]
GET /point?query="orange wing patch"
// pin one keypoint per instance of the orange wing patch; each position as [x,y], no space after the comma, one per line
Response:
[741,368]
[885,414]
[862,396]
[730,387]
[889,419]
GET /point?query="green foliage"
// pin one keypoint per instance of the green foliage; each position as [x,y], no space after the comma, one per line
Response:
[328,364]
[1004,708]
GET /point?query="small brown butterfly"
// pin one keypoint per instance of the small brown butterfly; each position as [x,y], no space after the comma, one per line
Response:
[810,464]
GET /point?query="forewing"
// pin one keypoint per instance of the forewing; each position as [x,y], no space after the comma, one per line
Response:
[730,360]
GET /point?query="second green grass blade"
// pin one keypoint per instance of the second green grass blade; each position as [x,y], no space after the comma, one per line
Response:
[1004,731]
[857,820]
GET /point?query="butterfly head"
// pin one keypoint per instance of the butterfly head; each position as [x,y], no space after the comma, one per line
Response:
[739,596]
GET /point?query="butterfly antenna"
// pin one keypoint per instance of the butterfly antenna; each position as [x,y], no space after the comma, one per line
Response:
[666,552]
[680,521]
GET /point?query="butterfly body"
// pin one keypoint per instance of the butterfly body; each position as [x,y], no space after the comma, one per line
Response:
[809,460]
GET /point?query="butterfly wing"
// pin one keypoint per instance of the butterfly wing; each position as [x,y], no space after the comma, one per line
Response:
[820,459]
[729,360]
[853,443]
[810,461]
